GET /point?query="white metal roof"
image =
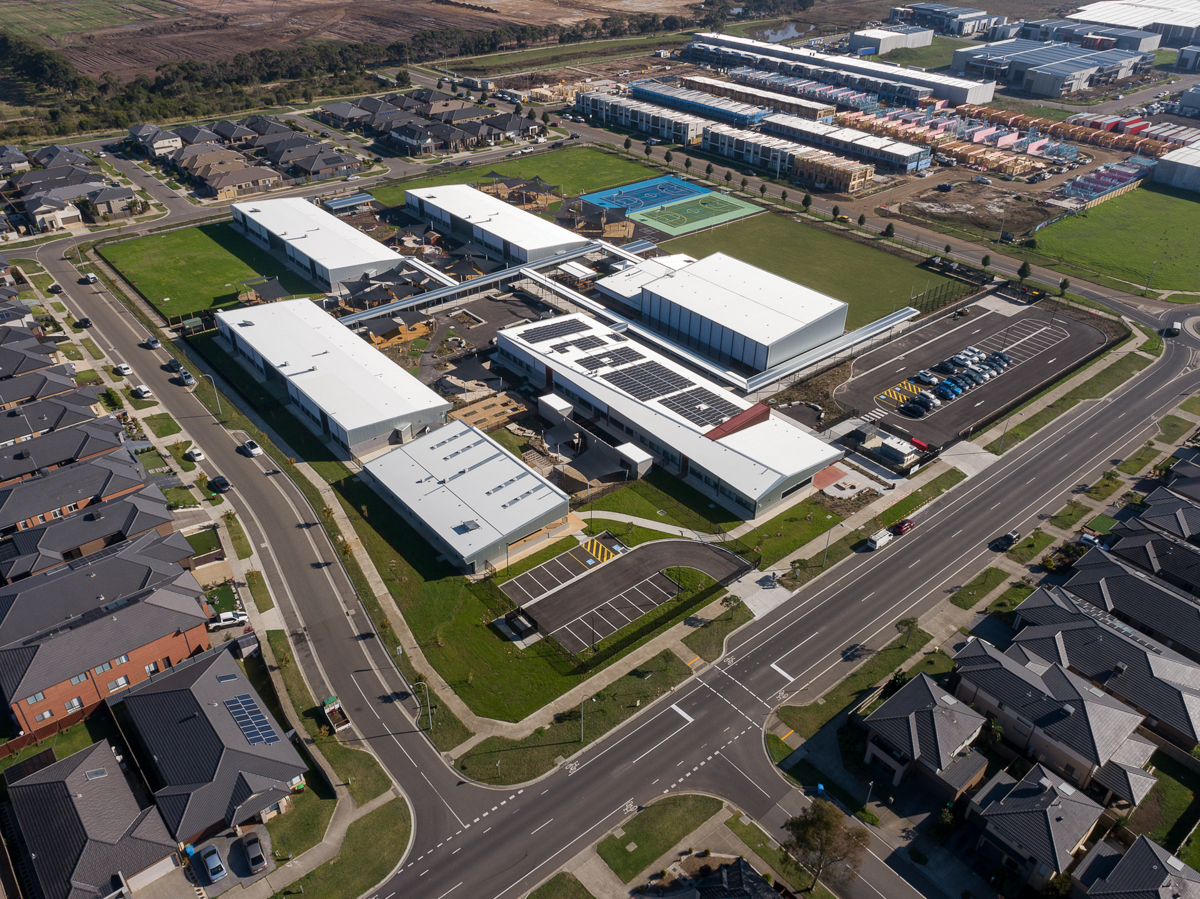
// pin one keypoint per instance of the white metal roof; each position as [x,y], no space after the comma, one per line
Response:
[466,487]
[762,306]
[322,237]
[493,215]
[1140,14]
[1189,156]
[752,460]
[627,284]
[354,383]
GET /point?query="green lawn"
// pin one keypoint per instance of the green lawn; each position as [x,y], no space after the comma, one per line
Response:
[922,496]
[237,535]
[562,886]
[88,376]
[222,599]
[805,774]
[258,591]
[1102,524]
[574,170]
[708,640]
[1168,814]
[304,826]
[135,402]
[179,497]
[806,720]
[94,351]
[98,726]
[197,268]
[1141,459]
[1098,240]
[522,760]
[1070,515]
[1191,404]
[177,449]
[937,55]
[785,533]
[980,586]
[448,731]
[514,443]
[872,281]
[558,54]
[112,400]
[1004,604]
[1153,344]
[655,830]
[162,424]
[627,532]
[1108,484]
[681,504]
[769,851]
[71,352]
[1031,547]
[1172,428]
[205,541]
[533,560]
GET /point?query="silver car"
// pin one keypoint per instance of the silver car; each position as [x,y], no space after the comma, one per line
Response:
[211,856]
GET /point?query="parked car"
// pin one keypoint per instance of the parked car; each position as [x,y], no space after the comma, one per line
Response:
[929,396]
[219,484]
[927,377]
[211,857]
[252,846]
[56,288]
[84,322]
[227,619]
[946,367]
[925,402]
[89,278]
[514,153]
[914,410]
[1008,541]
[945,187]
[464,163]
[903,527]
[153,343]
[352,177]
[174,365]
[194,454]
[186,377]
[252,448]
[142,392]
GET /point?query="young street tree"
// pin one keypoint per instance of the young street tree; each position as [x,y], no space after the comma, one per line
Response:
[822,842]
[708,170]
[890,230]
[907,627]
[628,143]
[862,219]
[986,260]
[1024,271]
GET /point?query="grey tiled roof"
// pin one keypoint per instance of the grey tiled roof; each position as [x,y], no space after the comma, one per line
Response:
[56,413]
[925,722]
[82,831]
[37,385]
[57,155]
[1146,871]
[1160,554]
[735,880]
[231,131]
[1101,648]
[93,480]
[963,770]
[19,355]
[1042,814]
[1184,479]
[1126,781]
[1172,513]
[1066,707]
[204,769]
[196,134]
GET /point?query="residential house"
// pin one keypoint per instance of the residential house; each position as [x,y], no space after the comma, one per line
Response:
[232,133]
[375,105]
[1157,553]
[735,879]
[22,352]
[49,214]
[154,141]
[924,730]
[114,202]
[413,140]
[41,180]
[12,161]
[240,182]
[380,123]
[76,634]
[479,132]
[82,832]
[261,124]
[214,755]
[399,327]
[1143,871]
[58,448]
[284,153]
[55,414]
[37,385]
[197,134]
[13,312]
[268,143]
[189,159]
[5,269]
[448,139]
[1183,479]
[463,114]
[1051,714]
[512,125]
[56,155]
[341,115]
[1036,825]
[423,95]
[327,164]
[1172,513]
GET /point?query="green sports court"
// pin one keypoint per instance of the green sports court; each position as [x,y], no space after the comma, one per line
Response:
[695,213]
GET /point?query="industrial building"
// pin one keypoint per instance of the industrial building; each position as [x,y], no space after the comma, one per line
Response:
[471,498]
[1091,37]
[320,246]
[1188,61]
[1178,21]
[810,165]
[1179,169]
[878,41]
[883,152]
[833,94]
[656,121]
[344,387]
[808,109]
[736,314]
[731,52]
[1049,69]
[959,20]
[741,455]
[698,103]
[512,234]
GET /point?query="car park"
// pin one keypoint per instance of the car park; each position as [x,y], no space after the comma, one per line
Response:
[252,448]
[252,846]
[123,370]
[927,377]
[211,857]
[142,392]
[219,484]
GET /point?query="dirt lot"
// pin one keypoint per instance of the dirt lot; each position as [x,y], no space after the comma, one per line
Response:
[621,69]
[981,207]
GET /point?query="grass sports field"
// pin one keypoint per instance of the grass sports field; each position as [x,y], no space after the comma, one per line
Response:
[871,281]
[691,215]
[576,171]
[1166,223]
[198,268]
[31,19]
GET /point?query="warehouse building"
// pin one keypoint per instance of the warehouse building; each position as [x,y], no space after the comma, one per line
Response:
[344,387]
[800,60]
[808,109]
[320,246]
[476,502]
[1189,61]
[656,121]
[738,315]
[743,456]
[1049,69]
[698,103]
[809,165]
[1179,169]
[883,152]
[1178,21]
[1091,37]
[879,41]
[511,234]
[959,20]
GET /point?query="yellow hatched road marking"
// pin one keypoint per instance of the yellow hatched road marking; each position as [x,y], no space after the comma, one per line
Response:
[601,552]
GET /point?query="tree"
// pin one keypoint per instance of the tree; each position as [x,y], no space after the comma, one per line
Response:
[1058,887]
[890,230]
[762,189]
[440,83]
[708,169]
[687,163]
[807,201]
[728,176]
[745,181]
[986,260]
[837,210]
[628,143]
[483,96]
[907,628]
[862,219]
[532,114]
[648,150]
[546,116]
[517,109]
[947,250]
[783,195]
[1063,286]
[821,841]
[668,156]
[1024,271]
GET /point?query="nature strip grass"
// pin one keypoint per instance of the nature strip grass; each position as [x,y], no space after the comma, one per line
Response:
[1070,515]
[708,640]
[1139,460]
[258,591]
[241,543]
[980,586]
[653,831]
[1031,547]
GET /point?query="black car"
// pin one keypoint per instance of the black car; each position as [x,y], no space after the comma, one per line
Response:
[913,410]
[84,322]
[464,163]
[174,365]
[1005,543]
[56,288]
[220,484]
[946,367]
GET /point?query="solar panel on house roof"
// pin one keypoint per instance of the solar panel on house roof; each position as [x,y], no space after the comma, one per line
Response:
[250,718]
[647,381]
[701,406]
[612,357]
[543,333]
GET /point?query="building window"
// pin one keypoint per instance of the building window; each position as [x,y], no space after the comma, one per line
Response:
[35,698]
[100,669]
[79,679]
[44,715]
[121,661]
[119,684]
[152,668]
[74,705]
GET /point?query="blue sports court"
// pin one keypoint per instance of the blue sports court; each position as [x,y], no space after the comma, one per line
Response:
[646,195]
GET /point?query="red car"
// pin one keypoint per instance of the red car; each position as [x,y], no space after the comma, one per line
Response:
[903,527]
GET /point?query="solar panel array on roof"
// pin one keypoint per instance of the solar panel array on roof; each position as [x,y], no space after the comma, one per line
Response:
[250,718]
[618,356]
[543,333]
[647,381]
[587,342]
[701,406]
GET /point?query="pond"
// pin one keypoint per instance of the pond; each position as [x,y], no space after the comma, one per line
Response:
[786,33]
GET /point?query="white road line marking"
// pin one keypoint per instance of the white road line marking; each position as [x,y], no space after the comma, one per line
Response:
[868,596]
[686,717]
[784,673]
[917,562]
[539,827]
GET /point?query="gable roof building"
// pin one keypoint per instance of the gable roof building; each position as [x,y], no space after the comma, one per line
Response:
[38,385]
[34,419]
[214,754]
[57,154]
[58,448]
[1145,871]
[83,828]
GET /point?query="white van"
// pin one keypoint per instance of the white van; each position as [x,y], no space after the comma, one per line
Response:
[1176,327]
[879,539]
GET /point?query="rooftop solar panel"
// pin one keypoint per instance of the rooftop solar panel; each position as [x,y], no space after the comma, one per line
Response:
[702,407]
[647,381]
[542,333]
[586,342]
[612,357]
[250,718]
